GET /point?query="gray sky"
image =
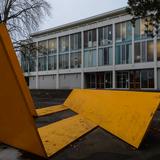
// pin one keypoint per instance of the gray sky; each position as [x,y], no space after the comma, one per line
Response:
[65,11]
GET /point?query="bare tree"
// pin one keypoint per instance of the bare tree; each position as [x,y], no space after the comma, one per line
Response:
[23,16]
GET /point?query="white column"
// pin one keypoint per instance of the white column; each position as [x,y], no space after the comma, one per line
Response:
[47,55]
[82,60]
[114,50]
[57,75]
[97,47]
[69,51]
[37,86]
[132,45]
[155,64]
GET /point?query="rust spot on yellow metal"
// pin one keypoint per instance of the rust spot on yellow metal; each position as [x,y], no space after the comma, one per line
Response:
[126,115]
[58,135]
[50,110]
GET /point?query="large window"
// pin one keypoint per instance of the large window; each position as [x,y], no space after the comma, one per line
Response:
[108,80]
[135,79]
[42,65]
[63,61]
[52,62]
[64,52]
[75,59]
[75,41]
[52,54]
[143,51]
[29,57]
[52,46]
[158,50]
[90,38]
[147,79]
[123,31]
[105,35]
[64,44]
[24,62]
[105,56]
[123,53]
[75,55]
[32,57]
[43,48]
[122,79]
[139,30]
[90,58]
[42,55]
[99,80]
[90,80]
[24,58]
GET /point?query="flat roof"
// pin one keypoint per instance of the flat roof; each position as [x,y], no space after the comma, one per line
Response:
[82,21]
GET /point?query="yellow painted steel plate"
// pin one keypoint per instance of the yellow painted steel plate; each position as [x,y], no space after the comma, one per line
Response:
[124,114]
[49,110]
[58,135]
[12,60]
[17,127]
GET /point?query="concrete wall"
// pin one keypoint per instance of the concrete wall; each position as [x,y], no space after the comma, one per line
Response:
[47,82]
[69,81]
[32,82]
[159,78]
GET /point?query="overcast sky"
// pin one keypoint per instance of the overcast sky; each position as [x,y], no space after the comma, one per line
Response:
[65,11]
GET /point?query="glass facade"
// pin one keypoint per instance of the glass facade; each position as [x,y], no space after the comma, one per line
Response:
[75,59]
[64,52]
[99,80]
[52,46]
[97,46]
[64,44]
[139,30]
[52,54]
[75,41]
[123,54]
[123,31]
[90,39]
[64,61]
[105,56]
[122,79]
[24,58]
[32,57]
[52,62]
[42,55]
[123,37]
[135,79]
[75,55]
[105,35]
[90,58]
[144,51]
[158,50]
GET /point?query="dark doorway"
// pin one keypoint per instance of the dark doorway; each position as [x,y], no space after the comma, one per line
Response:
[135,80]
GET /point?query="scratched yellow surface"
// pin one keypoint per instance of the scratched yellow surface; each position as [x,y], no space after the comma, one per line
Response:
[58,135]
[49,110]
[125,114]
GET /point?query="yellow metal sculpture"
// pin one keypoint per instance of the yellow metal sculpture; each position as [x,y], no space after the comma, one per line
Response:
[126,115]
[17,127]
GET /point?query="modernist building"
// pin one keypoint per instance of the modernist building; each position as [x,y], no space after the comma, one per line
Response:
[104,51]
